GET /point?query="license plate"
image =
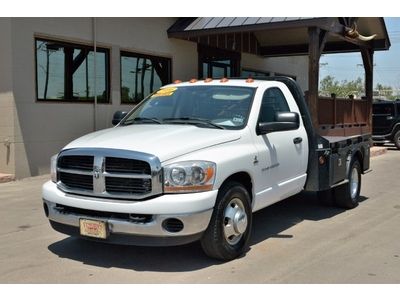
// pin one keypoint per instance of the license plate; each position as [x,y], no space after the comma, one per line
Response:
[93,228]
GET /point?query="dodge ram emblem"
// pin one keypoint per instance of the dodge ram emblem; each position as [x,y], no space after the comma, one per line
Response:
[96,172]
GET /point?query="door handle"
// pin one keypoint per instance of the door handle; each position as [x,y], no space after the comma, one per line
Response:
[297,140]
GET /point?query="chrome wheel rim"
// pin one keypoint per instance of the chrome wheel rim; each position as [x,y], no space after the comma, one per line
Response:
[354,182]
[235,221]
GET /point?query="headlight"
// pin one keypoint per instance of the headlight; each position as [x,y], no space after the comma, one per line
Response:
[53,168]
[189,177]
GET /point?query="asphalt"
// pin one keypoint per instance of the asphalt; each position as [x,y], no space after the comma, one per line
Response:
[294,241]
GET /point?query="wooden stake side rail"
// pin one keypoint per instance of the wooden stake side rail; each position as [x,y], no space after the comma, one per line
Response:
[343,116]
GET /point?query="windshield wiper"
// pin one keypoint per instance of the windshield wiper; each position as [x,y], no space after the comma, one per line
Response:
[194,121]
[142,120]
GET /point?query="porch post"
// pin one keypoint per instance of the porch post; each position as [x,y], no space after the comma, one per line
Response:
[314,53]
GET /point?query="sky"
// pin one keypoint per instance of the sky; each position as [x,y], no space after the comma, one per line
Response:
[386,63]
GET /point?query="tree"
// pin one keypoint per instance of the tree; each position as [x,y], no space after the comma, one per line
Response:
[384,91]
[329,85]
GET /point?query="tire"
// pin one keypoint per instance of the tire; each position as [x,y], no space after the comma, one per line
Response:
[325,198]
[347,195]
[396,139]
[228,233]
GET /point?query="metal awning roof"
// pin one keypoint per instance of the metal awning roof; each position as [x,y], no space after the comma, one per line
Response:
[283,36]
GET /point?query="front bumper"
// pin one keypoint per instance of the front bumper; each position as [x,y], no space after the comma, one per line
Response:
[193,210]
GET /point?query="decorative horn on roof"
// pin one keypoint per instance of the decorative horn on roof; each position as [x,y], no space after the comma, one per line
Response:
[354,34]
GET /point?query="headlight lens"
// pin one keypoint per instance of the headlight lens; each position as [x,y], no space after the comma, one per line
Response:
[189,177]
[53,168]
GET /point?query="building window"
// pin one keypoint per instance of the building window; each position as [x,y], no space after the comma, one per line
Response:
[142,74]
[217,63]
[65,72]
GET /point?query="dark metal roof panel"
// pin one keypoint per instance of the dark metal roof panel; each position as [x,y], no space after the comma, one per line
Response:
[213,23]
[251,21]
[226,22]
[219,22]
[201,23]
[238,22]
[264,20]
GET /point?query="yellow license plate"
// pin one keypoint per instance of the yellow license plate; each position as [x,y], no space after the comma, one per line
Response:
[93,228]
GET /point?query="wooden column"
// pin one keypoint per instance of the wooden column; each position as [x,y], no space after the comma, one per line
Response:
[316,43]
[368,61]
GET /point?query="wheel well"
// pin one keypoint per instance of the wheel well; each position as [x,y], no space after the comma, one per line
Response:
[396,128]
[243,178]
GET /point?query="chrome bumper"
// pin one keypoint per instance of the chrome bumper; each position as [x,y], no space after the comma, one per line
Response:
[193,225]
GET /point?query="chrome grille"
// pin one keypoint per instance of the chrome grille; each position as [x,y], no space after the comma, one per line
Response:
[109,173]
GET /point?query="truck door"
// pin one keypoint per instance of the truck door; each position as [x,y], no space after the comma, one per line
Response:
[383,118]
[283,154]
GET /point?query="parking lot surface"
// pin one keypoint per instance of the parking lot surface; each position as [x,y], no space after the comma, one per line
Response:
[294,241]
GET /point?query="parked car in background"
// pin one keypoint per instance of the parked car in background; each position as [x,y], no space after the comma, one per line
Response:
[386,122]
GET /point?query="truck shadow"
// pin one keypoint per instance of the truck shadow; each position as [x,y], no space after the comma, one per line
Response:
[267,223]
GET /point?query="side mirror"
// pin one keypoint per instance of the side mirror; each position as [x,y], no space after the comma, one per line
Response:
[118,116]
[283,121]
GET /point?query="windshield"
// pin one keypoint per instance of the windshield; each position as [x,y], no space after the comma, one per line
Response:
[224,107]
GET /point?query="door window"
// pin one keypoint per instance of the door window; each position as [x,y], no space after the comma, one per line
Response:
[273,101]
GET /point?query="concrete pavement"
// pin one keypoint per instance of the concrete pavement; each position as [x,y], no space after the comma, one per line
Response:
[294,241]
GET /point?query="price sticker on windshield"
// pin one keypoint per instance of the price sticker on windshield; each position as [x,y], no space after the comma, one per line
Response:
[164,92]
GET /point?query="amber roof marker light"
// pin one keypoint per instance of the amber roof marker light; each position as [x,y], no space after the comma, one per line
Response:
[177,81]
[224,79]
[193,80]
[208,80]
[249,80]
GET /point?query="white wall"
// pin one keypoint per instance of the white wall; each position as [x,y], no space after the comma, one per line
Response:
[7,111]
[294,65]
[43,128]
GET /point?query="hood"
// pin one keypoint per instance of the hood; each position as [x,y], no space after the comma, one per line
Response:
[164,141]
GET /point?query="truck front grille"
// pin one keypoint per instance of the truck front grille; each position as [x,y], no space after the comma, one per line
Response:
[101,173]
[128,185]
[124,165]
[77,162]
[76,181]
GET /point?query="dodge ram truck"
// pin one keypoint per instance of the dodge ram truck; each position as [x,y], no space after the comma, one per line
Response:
[194,160]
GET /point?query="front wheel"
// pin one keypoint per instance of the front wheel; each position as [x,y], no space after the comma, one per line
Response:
[347,195]
[397,139]
[228,233]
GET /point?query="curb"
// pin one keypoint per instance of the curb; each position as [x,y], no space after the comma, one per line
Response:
[6,178]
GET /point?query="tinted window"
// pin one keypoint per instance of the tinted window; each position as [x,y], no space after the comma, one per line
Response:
[141,75]
[65,72]
[383,109]
[273,101]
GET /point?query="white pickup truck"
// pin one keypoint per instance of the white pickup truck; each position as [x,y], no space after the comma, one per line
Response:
[194,160]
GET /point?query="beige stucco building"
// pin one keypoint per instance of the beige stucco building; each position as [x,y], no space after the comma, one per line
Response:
[36,116]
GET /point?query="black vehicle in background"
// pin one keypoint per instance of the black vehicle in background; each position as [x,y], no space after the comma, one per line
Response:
[386,122]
